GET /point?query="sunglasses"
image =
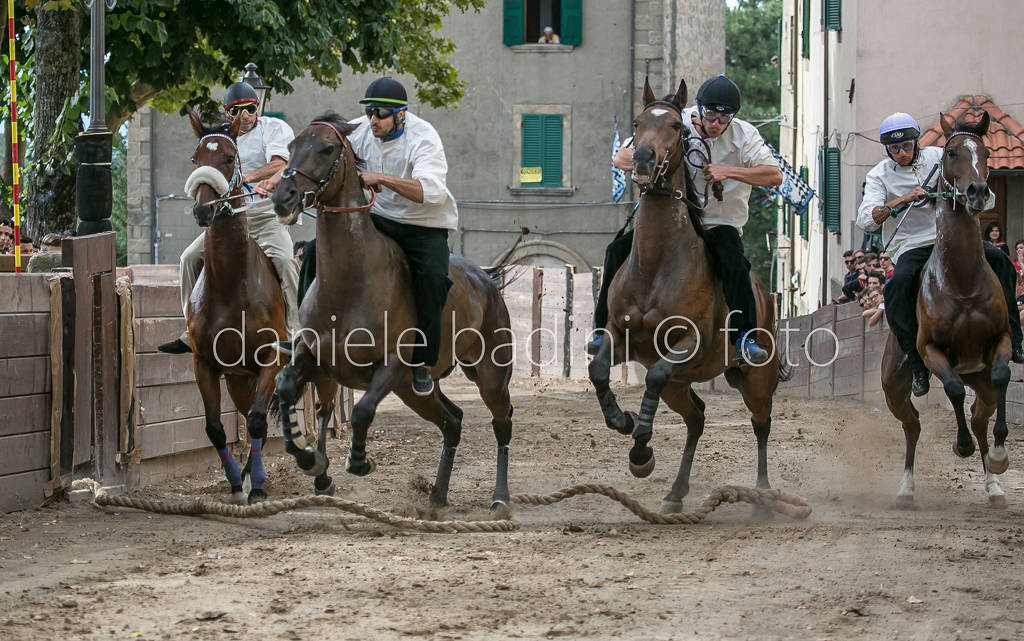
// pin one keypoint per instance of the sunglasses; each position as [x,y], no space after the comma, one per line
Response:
[249,108]
[380,112]
[848,261]
[897,147]
[722,118]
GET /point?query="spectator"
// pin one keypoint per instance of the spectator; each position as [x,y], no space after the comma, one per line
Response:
[858,253]
[549,37]
[856,284]
[885,262]
[875,279]
[994,236]
[871,261]
[872,301]
[851,274]
[6,238]
[50,255]
[27,248]
[1018,266]
[297,250]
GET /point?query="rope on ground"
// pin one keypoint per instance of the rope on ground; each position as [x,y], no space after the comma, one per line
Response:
[783,502]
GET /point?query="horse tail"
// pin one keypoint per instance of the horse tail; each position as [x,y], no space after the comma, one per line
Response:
[785,369]
[497,271]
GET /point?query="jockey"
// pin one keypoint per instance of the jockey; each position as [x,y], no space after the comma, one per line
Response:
[899,180]
[739,160]
[263,153]
[404,159]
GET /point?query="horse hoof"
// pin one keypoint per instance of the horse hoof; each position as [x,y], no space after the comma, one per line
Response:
[642,470]
[320,464]
[671,507]
[238,498]
[996,460]
[327,490]
[905,501]
[963,453]
[997,501]
[257,496]
[361,468]
[631,421]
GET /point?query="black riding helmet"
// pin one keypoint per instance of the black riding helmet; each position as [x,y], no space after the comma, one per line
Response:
[239,92]
[719,94]
[386,92]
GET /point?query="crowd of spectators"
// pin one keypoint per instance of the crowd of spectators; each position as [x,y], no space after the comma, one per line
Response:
[40,257]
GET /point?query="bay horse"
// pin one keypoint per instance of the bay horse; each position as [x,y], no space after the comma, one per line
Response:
[356,312]
[963,332]
[667,309]
[236,310]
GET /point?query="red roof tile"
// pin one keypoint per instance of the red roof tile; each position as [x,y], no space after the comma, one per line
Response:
[1005,138]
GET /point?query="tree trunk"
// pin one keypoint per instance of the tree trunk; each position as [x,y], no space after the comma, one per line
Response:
[49,198]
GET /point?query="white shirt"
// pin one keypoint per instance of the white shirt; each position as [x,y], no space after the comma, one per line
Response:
[417,154]
[269,137]
[740,145]
[888,180]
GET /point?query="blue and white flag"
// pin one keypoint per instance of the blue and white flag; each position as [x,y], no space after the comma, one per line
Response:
[618,176]
[793,188]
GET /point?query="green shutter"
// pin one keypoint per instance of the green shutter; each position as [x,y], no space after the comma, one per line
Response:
[831,193]
[572,22]
[806,213]
[514,26]
[542,147]
[805,34]
[831,14]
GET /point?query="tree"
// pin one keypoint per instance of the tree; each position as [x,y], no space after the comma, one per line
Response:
[751,39]
[171,52]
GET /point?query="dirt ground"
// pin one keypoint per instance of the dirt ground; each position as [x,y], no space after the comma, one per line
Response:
[581,569]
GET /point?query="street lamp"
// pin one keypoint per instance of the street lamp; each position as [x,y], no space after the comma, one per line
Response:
[262,88]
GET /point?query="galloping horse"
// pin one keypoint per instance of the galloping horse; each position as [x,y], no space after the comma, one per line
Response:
[359,307]
[667,309]
[963,334]
[235,304]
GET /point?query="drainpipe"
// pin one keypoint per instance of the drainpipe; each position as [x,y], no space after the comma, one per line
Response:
[824,232]
[154,234]
[632,83]
[795,62]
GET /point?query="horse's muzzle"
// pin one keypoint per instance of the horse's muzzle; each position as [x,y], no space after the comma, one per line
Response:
[286,201]
[203,214]
[644,160]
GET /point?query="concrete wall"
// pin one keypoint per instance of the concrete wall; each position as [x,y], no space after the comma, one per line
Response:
[589,83]
[911,56]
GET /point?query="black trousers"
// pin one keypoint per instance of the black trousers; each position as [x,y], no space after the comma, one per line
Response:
[725,249]
[426,249]
[901,296]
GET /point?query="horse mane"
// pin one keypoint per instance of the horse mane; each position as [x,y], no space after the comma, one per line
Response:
[972,127]
[219,128]
[342,126]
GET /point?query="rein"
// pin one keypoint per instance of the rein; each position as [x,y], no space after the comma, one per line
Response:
[312,198]
[696,157]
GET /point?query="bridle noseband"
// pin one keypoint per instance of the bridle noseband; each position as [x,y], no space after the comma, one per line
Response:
[951,190]
[235,182]
[312,198]
[696,157]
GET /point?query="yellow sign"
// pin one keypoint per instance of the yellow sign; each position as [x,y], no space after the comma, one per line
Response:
[530,175]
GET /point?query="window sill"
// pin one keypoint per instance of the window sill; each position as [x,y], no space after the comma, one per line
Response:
[542,191]
[540,48]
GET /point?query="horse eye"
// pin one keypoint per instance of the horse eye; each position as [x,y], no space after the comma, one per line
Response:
[951,153]
[329,149]
[635,124]
[193,160]
[677,126]
[229,160]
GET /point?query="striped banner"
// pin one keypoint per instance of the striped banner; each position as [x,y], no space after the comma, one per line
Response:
[14,138]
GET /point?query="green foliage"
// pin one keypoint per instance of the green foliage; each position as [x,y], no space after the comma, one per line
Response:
[751,39]
[119,211]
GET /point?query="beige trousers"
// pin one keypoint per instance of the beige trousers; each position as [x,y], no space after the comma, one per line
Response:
[269,234]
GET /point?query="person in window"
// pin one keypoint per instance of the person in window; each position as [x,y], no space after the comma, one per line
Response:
[898,180]
[739,160]
[994,236]
[263,154]
[549,37]
[404,159]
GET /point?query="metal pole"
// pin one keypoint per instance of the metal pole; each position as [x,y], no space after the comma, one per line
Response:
[97,52]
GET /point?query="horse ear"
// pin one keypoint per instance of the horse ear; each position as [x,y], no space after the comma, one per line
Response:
[236,126]
[946,123]
[193,118]
[983,124]
[648,96]
[680,98]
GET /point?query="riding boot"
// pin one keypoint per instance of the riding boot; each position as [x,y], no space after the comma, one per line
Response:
[919,386]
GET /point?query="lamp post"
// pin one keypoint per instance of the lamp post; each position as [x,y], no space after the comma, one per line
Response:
[93,190]
[262,88]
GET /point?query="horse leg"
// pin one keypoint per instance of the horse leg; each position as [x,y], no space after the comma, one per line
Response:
[685,402]
[751,385]
[256,424]
[326,391]
[981,412]
[209,387]
[384,379]
[289,383]
[937,362]
[241,391]
[447,416]
[641,455]
[896,383]
[492,382]
[997,461]
[600,375]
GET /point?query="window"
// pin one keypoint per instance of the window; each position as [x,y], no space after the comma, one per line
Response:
[831,194]
[525,20]
[806,213]
[805,33]
[541,158]
[831,15]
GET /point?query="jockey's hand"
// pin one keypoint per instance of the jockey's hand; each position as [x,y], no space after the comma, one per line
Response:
[715,173]
[372,180]
[917,193]
[267,186]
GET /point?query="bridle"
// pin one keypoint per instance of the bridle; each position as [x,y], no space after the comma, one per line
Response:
[697,157]
[236,179]
[951,190]
[312,198]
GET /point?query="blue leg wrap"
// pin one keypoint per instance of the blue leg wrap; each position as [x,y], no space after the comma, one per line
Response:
[256,472]
[230,467]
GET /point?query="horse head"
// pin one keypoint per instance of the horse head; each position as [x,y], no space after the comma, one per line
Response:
[965,160]
[218,171]
[312,174]
[658,134]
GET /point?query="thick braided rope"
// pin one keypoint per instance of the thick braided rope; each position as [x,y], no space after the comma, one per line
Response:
[780,501]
